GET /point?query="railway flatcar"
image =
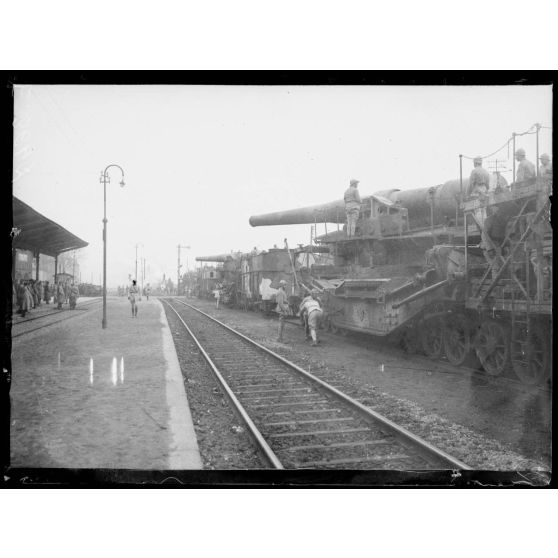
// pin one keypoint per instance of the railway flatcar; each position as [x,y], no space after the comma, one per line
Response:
[209,279]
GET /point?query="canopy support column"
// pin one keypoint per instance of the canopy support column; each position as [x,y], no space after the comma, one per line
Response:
[37,260]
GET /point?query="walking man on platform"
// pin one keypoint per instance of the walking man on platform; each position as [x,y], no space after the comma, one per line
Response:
[133,297]
[282,308]
[352,206]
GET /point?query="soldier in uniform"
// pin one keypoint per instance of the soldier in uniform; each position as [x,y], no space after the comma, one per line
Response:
[352,206]
[60,294]
[74,294]
[24,298]
[311,308]
[526,170]
[47,292]
[545,170]
[133,296]
[479,181]
[479,184]
[282,308]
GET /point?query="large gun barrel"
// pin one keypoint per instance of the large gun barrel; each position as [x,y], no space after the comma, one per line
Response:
[417,201]
[220,258]
[333,212]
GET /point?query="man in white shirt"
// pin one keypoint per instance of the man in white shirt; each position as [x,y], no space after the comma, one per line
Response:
[311,308]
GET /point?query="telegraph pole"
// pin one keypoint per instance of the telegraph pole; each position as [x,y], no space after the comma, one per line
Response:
[178,247]
[178,270]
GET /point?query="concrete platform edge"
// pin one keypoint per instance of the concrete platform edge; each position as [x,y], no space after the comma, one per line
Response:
[184,451]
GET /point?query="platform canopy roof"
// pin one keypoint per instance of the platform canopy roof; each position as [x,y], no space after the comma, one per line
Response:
[39,234]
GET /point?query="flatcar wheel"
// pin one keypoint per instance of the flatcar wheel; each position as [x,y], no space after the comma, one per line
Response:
[408,341]
[432,337]
[457,341]
[530,355]
[493,347]
[333,328]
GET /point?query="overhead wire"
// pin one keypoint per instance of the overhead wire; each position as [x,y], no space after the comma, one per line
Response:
[507,143]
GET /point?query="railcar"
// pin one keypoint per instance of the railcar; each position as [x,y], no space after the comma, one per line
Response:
[250,280]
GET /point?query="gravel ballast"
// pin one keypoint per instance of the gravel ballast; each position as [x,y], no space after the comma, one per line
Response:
[486,424]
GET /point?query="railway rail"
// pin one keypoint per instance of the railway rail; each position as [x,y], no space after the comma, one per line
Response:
[64,315]
[296,419]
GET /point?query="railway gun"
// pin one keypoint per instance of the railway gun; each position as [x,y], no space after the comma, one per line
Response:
[422,268]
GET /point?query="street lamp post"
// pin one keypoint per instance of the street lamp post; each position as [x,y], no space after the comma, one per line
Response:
[104,179]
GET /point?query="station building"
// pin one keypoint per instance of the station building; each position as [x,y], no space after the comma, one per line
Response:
[37,244]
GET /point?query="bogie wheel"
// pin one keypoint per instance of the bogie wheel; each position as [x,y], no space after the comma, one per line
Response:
[531,355]
[331,326]
[408,341]
[493,347]
[458,345]
[432,337]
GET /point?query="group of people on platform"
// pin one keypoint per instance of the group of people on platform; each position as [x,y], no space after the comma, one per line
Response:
[30,293]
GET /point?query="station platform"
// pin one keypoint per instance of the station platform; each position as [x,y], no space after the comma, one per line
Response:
[87,397]
[45,309]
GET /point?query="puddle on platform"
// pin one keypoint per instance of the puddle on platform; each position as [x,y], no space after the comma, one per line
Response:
[114,372]
[91,371]
[121,370]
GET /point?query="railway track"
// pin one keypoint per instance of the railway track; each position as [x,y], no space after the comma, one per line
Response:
[438,366]
[295,419]
[64,315]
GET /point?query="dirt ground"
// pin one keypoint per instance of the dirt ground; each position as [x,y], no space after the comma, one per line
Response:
[486,422]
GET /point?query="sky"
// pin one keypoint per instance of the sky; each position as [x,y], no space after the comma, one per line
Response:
[200,160]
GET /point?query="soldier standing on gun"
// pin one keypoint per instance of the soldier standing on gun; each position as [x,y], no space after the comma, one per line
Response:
[352,206]
[479,184]
[545,170]
[526,170]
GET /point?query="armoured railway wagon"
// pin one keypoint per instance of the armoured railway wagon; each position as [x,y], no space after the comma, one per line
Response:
[468,281]
[250,280]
